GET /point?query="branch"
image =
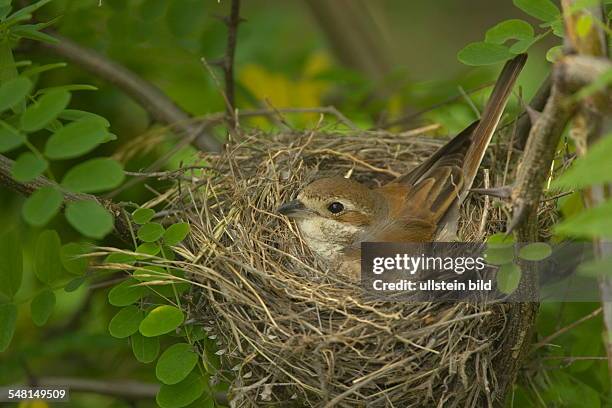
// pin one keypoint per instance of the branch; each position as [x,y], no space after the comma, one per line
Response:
[535,164]
[533,170]
[122,227]
[228,63]
[569,74]
[592,121]
[151,98]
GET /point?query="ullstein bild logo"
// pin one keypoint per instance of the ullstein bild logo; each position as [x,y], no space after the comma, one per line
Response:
[479,272]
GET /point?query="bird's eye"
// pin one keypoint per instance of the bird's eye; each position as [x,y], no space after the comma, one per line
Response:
[335,207]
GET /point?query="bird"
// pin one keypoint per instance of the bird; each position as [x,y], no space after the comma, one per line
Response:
[336,214]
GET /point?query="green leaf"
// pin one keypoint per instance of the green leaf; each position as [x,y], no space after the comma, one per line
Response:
[41,206]
[148,248]
[592,222]
[39,69]
[68,88]
[10,138]
[11,262]
[8,321]
[168,291]
[47,261]
[167,253]
[125,322]
[508,278]
[74,284]
[143,215]
[73,259]
[593,168]
[554,53]
[25,11]
[535,251]
[89,218]
[482,53]
[176,233]
[42,307]
[175,364]
[206,400]
[150,232]
[5,5]
[181,394]
[152,9]
[74,115]
[514,29]
[145,349]
[161,320]
[44,110]
[522,46]
[194,333]
[126,293]
[29,31]
[544,10]
[94,176]
[558,27]
[27,167]
[500,240]
[119,257]
[499,256]
[76,139]
[13,92]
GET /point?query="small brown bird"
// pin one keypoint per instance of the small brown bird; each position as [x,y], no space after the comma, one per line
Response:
[336,214]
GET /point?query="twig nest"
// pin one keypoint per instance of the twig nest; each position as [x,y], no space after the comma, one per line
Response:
[292,333]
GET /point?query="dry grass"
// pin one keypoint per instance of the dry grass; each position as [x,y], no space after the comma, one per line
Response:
[291,333]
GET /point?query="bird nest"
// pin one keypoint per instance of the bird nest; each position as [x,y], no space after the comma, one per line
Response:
[290,332]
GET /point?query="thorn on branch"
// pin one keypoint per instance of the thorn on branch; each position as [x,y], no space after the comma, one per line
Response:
[518,215]
[219,63]
[498,192]
[533,114]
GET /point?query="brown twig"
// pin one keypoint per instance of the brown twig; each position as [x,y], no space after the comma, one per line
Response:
[228,62]
[546,340]
[543,139]
[151,98]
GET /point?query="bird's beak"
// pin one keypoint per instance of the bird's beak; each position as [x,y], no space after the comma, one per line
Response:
[293,208]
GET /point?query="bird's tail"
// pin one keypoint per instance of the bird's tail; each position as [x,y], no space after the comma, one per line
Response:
[482,134]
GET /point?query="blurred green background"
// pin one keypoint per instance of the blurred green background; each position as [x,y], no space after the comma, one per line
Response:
[289,54]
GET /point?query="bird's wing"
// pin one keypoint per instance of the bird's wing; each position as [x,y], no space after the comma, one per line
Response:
[439,184]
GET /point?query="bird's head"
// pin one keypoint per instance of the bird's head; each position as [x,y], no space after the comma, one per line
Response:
[333,212]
